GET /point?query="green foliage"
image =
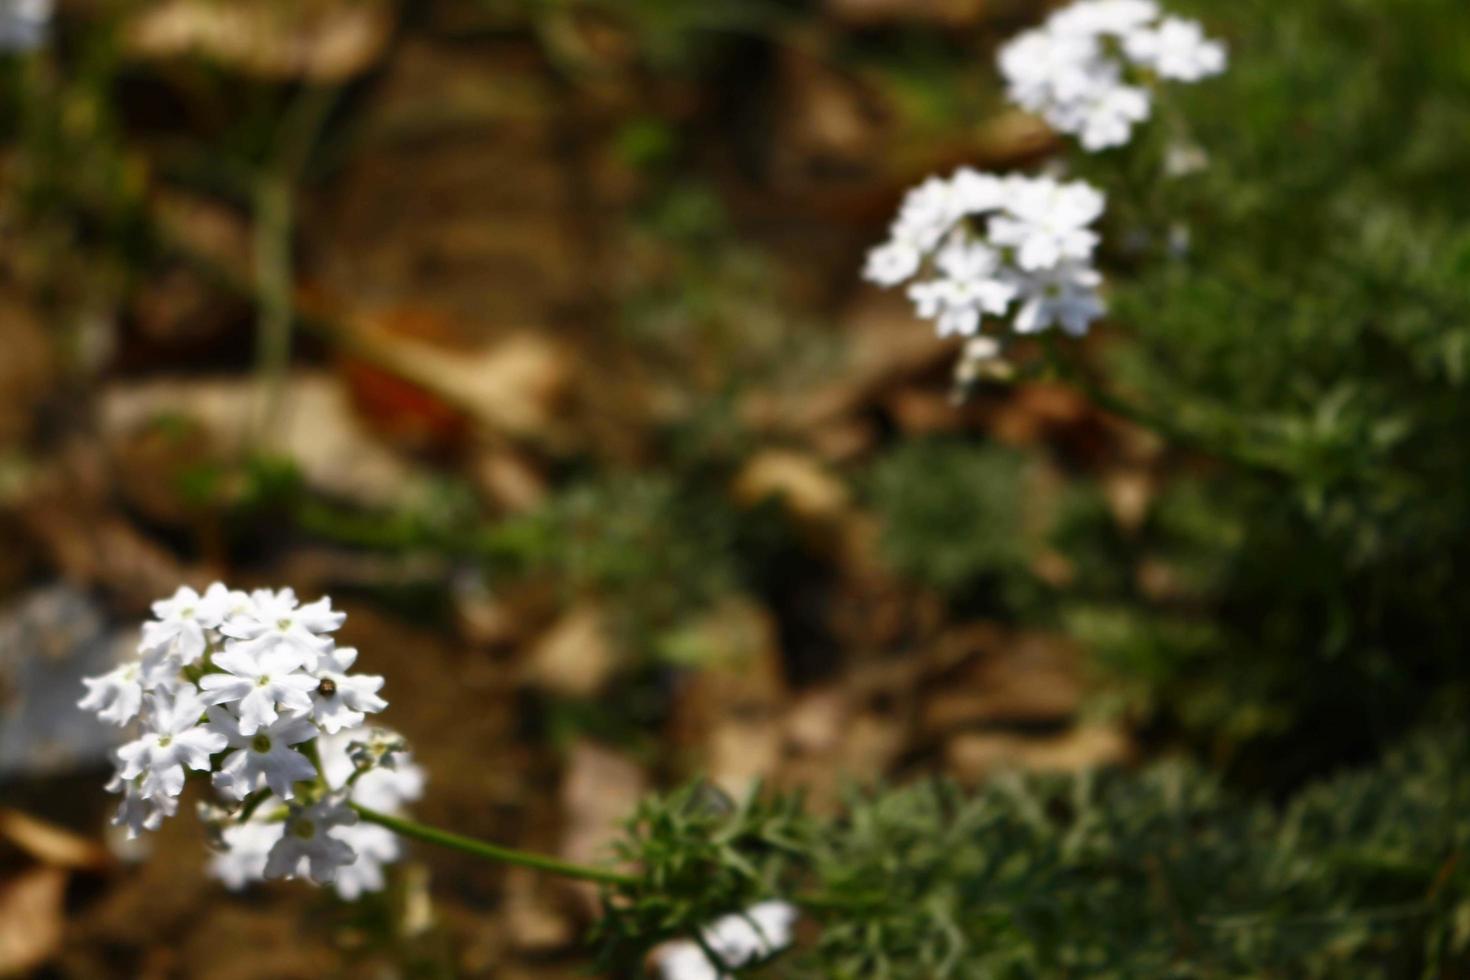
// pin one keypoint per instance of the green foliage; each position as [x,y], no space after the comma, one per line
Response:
[700,855]
[954,515]
[1315,338]
[653,549]
[1118,875]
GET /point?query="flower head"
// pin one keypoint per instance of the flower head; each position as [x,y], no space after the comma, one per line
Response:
[1089,70]
[1006,239]
[1177,49]
[251,689]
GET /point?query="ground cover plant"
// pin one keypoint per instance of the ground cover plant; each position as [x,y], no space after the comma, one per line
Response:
[1137,457]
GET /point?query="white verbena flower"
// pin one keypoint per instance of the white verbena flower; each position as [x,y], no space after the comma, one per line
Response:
[241,856]
[1043,67]
[341,700]
[178,632]
[1177,49]
[172,739]
[137,812]
[1047,222]
[892,263]
[238,685]
[115,696]
[1004,238]
[1104,17]
[263,758]
[1103,118]
[1086,70]
[257,681]
[1065,296]
[275,621]
[375,847]
[306,848]
[737,941]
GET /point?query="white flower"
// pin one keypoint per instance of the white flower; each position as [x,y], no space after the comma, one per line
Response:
[892,262]
[242,855]
[172,739]
[1104,117]
[115,696]
[137,812]
[971,287]
[375,847]
[306,846]
[264,758]
[1080,70]
[256,681]
[1048,222]
[1044,67]
[274,682]
[1094,17]
[976,193]
[178,632]
[341,700]
[1066,295]
[220,603]
[274,621]
[926,215]
[380,788]
[736,940]
[1178,50]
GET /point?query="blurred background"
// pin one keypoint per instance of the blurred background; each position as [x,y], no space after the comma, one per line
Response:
[532,333]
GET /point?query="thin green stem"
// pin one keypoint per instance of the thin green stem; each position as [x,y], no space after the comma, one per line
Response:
[273,287]
[493,852]
[274,220]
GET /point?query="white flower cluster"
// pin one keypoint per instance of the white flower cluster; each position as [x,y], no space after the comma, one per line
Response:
[252,689]
[738,941]
[977,245]
[1086,71]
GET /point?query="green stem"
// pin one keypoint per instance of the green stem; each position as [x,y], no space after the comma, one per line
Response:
[492,852]
[273,292]
[274,220]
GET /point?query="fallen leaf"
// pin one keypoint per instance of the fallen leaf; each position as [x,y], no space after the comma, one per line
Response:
[51,845]
[575,658]
[31,917]
[972,757]
[810,494]
[320,40]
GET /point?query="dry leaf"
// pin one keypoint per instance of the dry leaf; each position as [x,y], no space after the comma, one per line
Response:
[974,756]
[575,658]
[809,493]
[31,917]
[51,845]
[316,427]
[321,40]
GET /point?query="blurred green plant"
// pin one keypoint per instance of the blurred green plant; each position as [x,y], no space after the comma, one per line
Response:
[1302,303]
[955,520]
[1108,875]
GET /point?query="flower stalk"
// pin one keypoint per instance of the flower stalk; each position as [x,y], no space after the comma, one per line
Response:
[492,852]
